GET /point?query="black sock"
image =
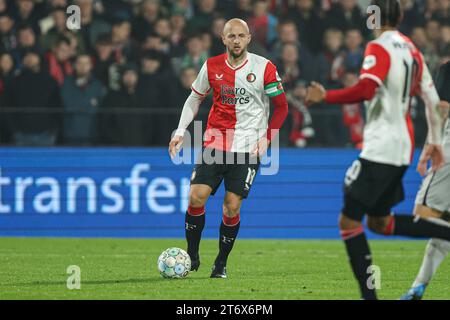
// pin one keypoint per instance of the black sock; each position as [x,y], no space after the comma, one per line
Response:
[194,226]
[407,225]
[228,235]
[360,259]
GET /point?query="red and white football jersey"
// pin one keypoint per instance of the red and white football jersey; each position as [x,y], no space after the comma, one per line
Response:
[240,112]
[394,62]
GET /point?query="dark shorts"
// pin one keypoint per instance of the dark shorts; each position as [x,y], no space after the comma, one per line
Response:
[372,188]
[238,170]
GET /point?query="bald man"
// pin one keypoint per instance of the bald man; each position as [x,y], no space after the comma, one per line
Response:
[238,133]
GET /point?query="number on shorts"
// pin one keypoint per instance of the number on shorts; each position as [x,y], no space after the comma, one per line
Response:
[352,173]
[250,176]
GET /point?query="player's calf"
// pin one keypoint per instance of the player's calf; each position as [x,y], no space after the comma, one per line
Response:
[229,229]
[195,222]
[410,226]
[358,251]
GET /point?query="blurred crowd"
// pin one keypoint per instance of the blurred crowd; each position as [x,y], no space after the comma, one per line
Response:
[123,76]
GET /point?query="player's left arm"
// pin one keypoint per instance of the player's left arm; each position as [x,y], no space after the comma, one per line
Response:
[273,88]
[374,70]
[433,149]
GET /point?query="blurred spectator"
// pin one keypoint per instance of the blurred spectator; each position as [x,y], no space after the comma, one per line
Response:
[428,49]
[289,66]
[6,74]
[330,69]
[295,62]
[27,13]
[154,91]
[6,68]
[26,42]
[412,16]
[177,37]
[47,41]
[262,24]
[196,55]
[7,32]
[203,16]
[433,29]
[58,60]
[243,9]
[123,128]
[345,15]
[4,6]
[90,28]
[206,39]
[287,34]
[163,31]
[103,58]
[82,94]
[33,88]
[354,52]
[143,24]
[309,24]
[122,9]
[442,13]
[301,129]
[217,46]
[124,47]
[444,41]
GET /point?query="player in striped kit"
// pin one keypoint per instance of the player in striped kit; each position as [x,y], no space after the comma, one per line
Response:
[433,199]
[393,71]
[238,128]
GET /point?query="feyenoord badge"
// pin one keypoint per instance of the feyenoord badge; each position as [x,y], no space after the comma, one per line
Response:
[251,77]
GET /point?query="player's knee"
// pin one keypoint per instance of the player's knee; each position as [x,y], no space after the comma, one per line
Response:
[231,209]
[346,223]
[197,199]
[377,225]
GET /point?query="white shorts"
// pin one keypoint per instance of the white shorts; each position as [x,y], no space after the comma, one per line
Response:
[435,190]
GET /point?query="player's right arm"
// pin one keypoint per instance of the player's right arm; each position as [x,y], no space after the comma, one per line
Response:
[374,70]
[200,89]
[432,149]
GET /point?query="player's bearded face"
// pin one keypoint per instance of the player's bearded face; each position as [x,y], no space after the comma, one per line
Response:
[236,43]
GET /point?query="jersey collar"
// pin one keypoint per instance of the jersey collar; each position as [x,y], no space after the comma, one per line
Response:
[237,67]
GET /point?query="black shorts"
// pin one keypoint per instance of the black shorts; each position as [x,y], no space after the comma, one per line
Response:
[372,188]
[238,170]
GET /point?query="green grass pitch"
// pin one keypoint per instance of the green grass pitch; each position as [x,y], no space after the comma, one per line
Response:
[35,268]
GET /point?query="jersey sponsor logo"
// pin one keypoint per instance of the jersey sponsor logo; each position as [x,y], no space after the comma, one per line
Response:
[231,96]
[251,77]
[369,62]
[219,76]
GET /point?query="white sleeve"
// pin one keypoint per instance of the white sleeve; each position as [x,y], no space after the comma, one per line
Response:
[431,99]
[190,110]
[201,84]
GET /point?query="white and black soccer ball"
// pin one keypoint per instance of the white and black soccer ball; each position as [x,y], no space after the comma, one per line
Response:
[174,263]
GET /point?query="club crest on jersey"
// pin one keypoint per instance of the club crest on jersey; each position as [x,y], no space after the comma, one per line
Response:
[369,62]
[219,76]
[251,77]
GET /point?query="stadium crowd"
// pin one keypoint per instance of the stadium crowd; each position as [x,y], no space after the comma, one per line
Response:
[122,78]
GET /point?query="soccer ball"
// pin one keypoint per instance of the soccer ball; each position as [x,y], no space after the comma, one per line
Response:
[174,263]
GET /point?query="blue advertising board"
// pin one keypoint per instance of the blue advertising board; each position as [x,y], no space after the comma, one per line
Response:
[139,192]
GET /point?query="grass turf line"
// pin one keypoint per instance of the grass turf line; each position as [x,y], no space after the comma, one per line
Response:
[35,268]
